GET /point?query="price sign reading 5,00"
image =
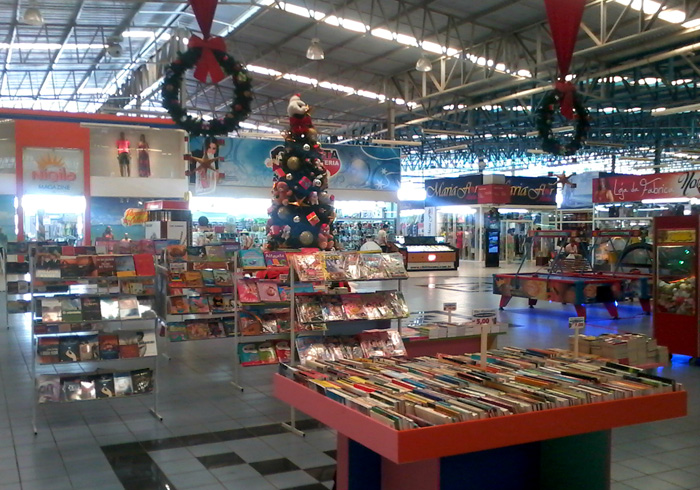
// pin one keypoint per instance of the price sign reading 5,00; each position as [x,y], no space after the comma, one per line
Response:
[484,316]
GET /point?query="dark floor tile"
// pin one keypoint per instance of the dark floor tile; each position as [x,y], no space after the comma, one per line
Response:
[266,430]
[233,434]
[309,424]
[122,449]
[165,443]
[197,439]
[273,466]
[220,460]
[313,486]
[333,453]
[322,473]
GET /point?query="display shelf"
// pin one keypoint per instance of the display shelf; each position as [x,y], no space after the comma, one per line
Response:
[90,279]
[414,445]
[174,317]
[95,361]
[120,397]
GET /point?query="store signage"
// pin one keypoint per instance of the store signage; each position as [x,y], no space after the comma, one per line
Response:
[56,171]
[430,221]
[634,188]
[465,190]
[576,322]
[484,316]
[449,307]
[251,162]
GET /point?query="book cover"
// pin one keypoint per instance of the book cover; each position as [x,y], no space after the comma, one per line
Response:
[230,249]
[137,288]
[308,267]
[222,277]
[252,259]
[208,278]
[283,292]
[144,265]
[394,265]
[71,310]
[229,327]
[267,290]
[147,247]
[142,381]
[216,303]
[68,250]
[276,258]
[267,353]
[109,346]
[92,310]
[71,389]
[196,253]
[372,266]
[193,279]
[68,349]
[177,332]
[50,310]
[180,267]
[309,310]
[122,247]
[125,265]
[106,265]
[334,266]
[122,384]
[248,292]
[248,354]
[199,304]
[216,329]
[49,388]
[48,262]
[215,253]
[88,347]
[249,324]
[197,330]
[178,305]
[87,388]
[47,350]
[109,309]
[176,253]
[17,287]
[332,307]
[85,266]
[69,267]
[283,351]
[128,351]
[104,386]
[129,308]
[354,307]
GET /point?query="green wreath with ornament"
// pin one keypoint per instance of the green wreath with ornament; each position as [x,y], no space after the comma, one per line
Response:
[239,110]
[545,117]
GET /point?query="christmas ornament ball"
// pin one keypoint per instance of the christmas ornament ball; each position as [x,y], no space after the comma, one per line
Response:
[317,182]
[306,238]
[283,213]
[293,163]
[289,176]
[296,219]
[306,147]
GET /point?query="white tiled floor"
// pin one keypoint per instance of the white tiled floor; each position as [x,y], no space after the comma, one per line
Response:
[197,399]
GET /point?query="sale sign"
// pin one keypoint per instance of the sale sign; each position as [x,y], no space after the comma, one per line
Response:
[634,188]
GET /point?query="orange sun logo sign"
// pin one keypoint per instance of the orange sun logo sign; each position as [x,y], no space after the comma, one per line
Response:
[52,168]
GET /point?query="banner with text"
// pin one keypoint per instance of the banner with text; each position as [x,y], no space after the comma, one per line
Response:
[57,171]
[463,190]
[250,163]
[634,188]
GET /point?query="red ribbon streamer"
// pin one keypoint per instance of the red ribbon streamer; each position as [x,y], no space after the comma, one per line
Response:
[207,64]
[567,101]
[204,13]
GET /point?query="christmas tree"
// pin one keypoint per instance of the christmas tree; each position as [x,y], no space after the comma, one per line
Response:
[302,211]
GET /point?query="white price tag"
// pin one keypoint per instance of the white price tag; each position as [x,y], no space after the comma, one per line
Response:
[577,322]
[484,316]
[449,306]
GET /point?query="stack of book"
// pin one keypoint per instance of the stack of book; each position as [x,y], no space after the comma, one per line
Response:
[58,313]
[347,266]
[105,345]
[427,391]
[367,344]
[71,388]
[263,353]
[63,262]
[181,258]
[626,348]
[201,329]
[382,305]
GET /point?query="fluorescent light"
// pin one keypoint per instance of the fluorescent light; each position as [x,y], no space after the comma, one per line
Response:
[663,111]
[396,142]
[447,132]
[605,143]
[411,194]
[536,151]
[257,134]
[691,24]
[637,159]
[451,148]
[51,46]
[666,200]
[563,129]
[514,210]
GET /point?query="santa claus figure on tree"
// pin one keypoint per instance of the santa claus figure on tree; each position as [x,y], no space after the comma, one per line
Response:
[302,211]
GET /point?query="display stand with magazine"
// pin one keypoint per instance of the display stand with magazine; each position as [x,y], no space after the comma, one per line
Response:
[92,310]
[536,418]
[320,294]
[15,269]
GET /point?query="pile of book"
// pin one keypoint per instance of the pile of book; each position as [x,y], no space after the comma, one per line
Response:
[181,258]
[427,391]
[122,344]
[625,348]
[347,266]
[90,309]
[71,388]
[64,262]
[110,247]
[442,330]
[382,305]
[367,344]
[262,353]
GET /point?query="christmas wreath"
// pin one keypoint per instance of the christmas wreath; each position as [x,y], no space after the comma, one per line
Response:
[215,62]
[545,116]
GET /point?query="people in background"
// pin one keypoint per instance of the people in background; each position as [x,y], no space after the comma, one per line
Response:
[571,247]
[247,241]
[382,237]
[123,155]
[108,235]
[603,194]
[126,238]
[206,232]
[144,158]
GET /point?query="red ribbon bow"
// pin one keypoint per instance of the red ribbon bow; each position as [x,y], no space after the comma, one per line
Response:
[207,64]
[567,89]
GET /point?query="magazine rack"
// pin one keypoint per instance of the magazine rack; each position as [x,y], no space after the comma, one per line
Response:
[546,450]
[57,288]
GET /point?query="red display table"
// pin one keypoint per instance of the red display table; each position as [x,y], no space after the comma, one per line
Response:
[421,346]
[547,450]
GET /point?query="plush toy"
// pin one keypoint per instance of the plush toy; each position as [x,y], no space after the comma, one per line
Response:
[286,232]
[299,118]
[313,198]
[281,193]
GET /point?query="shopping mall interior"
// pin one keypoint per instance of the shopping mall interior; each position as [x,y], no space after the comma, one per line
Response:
[357,245]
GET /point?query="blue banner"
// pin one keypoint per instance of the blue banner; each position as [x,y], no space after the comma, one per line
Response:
[249,163]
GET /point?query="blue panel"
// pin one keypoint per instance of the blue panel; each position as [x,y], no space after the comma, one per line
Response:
[364,467]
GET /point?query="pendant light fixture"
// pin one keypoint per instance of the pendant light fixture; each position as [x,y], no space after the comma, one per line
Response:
[315,51]
[423,64]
